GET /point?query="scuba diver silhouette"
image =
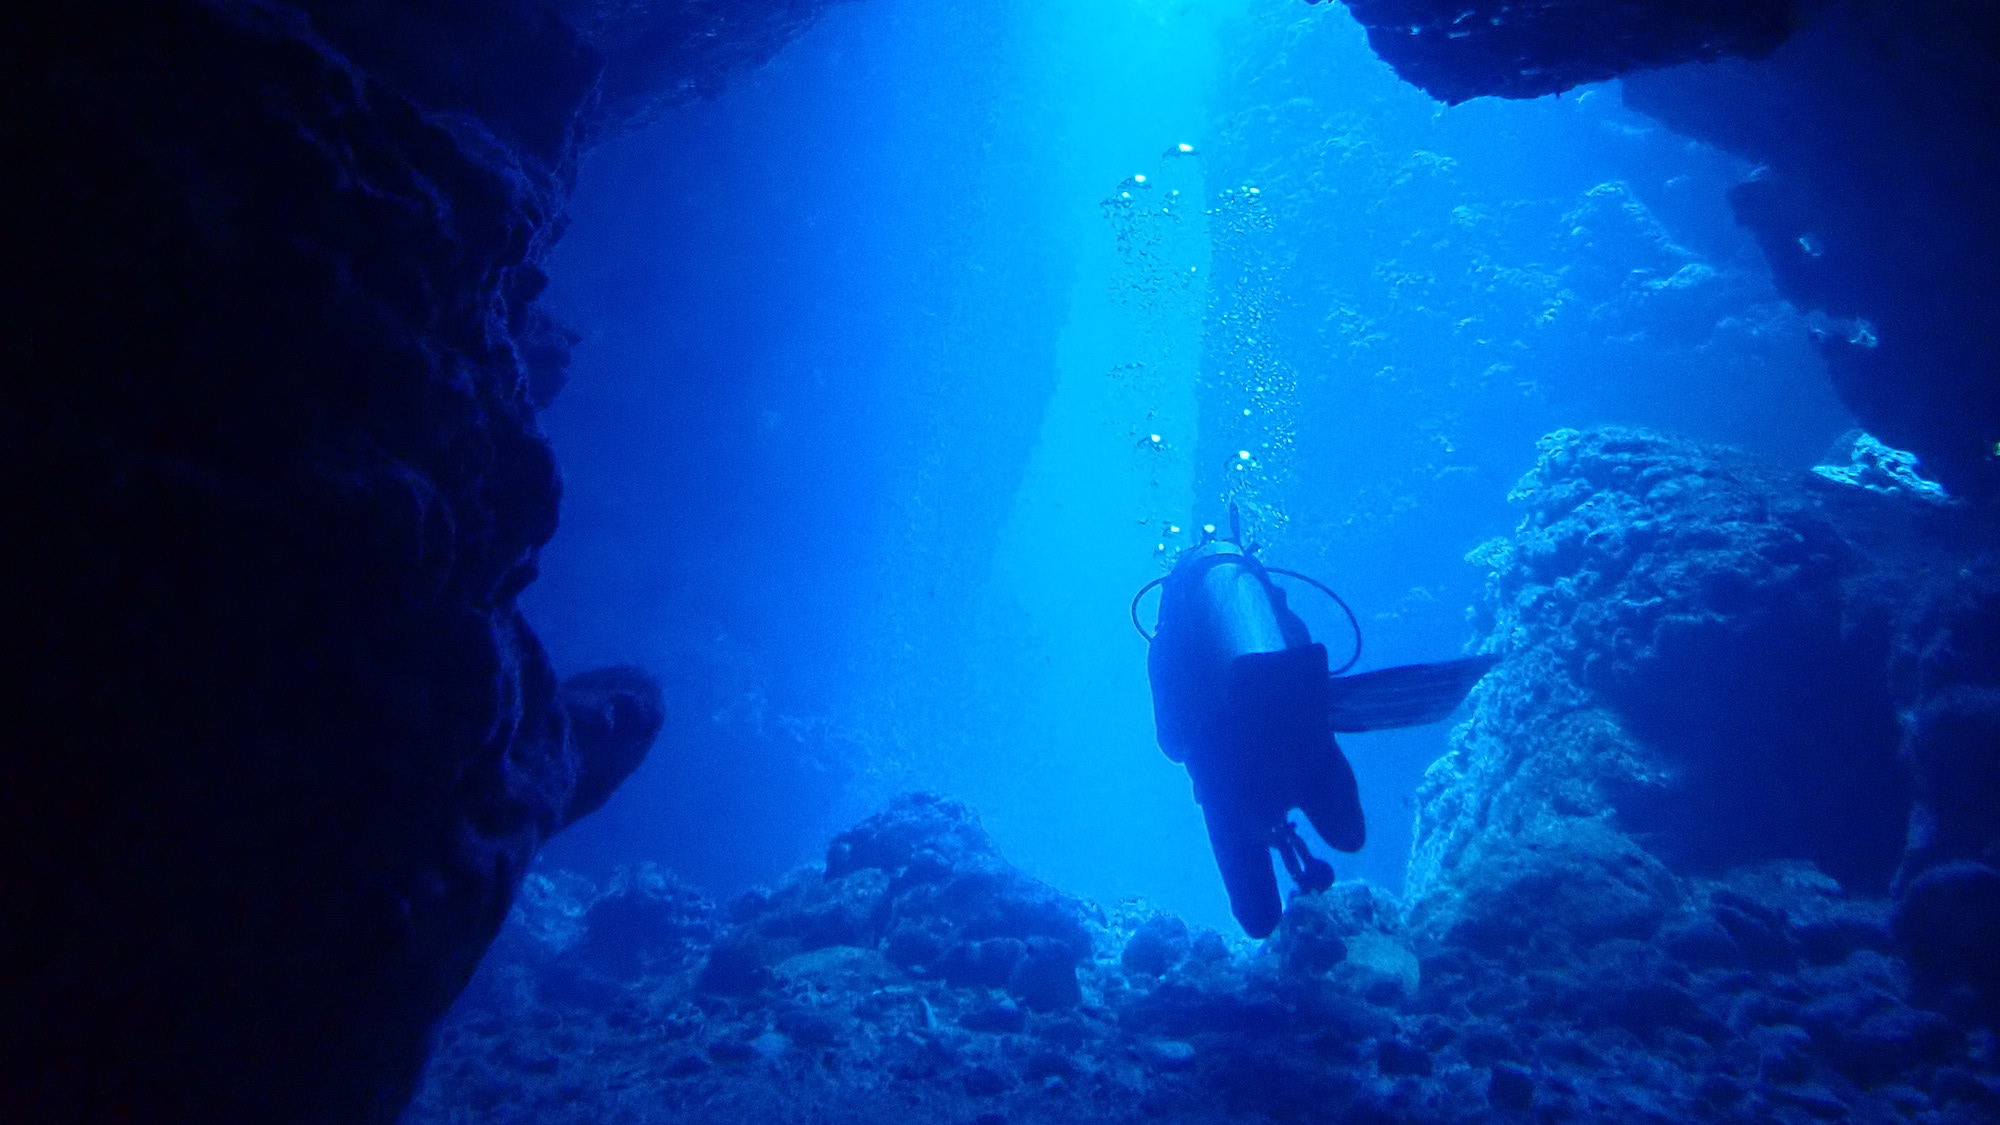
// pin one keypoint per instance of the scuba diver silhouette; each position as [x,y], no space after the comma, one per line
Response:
[1244,698]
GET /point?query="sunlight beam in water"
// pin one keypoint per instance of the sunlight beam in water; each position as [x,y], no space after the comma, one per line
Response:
[1110,488]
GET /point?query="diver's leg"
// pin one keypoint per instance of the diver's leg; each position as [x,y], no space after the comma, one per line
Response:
[1329,798]
[1242,844]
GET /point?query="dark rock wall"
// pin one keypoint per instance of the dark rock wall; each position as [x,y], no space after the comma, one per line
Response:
[291,745]
[1466,49]
[282,744]
[657,56]
[1878,130]
[1702,601]
[1949,886]
[1874,123]
[1874,128]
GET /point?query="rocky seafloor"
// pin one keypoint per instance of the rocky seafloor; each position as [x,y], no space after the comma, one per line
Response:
[1594,929]
[919,977]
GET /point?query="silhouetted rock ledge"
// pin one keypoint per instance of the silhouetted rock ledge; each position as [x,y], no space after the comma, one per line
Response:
[917,977]
[1877,170]
[280,744]
[1464,49]
[1871,127]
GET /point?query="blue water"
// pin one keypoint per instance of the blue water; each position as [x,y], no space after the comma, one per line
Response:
[859,444]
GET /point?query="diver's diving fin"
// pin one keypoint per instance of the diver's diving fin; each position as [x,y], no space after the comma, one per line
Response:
[1409,696]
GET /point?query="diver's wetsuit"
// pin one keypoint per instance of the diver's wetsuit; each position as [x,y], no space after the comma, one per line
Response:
[1257,744]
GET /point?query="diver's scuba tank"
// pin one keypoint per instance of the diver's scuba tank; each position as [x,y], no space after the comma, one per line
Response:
[1226,594]
[1217,606]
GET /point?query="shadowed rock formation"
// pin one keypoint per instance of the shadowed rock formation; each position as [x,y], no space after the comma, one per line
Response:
[614,715]
[1948,675]
[657,56]
[1873,123]
[282,743]
[1877,132]
[1713,665]
[1678,620]
[1513,49]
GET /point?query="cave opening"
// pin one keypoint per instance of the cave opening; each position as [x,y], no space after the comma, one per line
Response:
[925,341]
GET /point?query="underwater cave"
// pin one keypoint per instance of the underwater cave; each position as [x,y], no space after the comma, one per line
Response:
[791,560]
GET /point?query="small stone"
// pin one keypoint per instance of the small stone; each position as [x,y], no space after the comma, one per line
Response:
[1781,1053]
[812,1026]
[687,1064]
[1814,1099]
[1893,1040]
[1485,1046]
[1169,1054]
[1957,1084]
[1761,940]
[990,963]
[1000,1017]
[1385,969]
[1701,943]
[1045,979]
[1209,948]
[1394,1056]
[1309,941]
[1828,941]
[1511,1087]
[1720,1091]
[534,1060]
[1046,1064]
[1906,1102]
[1064,1031]
[734,968]
[1157,946]
[1383,991]
[985,1082]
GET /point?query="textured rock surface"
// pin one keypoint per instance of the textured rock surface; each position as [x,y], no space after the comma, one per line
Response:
[614,716]
[657,56]
[1685,658]
[1712,665]
[1879,167]
[1948,675]
[282,745]
[541,76]
[1473,48]
[1770,996]
[1879,172]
